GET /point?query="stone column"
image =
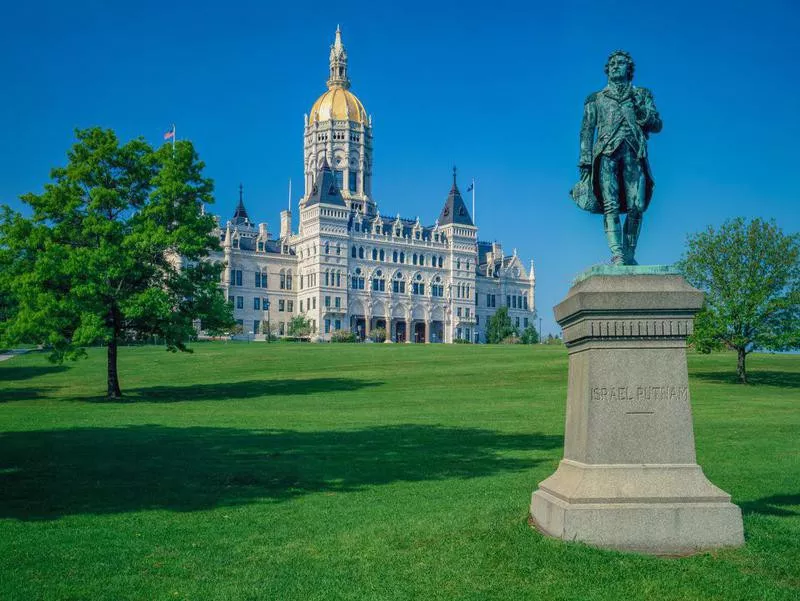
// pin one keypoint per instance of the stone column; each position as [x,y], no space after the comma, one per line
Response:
[388,327]
[629,478]
[408,331]
[428,331]
[367,325]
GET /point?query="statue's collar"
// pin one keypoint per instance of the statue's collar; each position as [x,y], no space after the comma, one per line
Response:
[618,92]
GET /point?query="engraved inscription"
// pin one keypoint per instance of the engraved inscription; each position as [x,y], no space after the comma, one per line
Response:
[640,393]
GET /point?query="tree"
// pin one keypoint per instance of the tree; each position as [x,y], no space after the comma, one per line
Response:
[529,336]
[116,247]
[300,327]
[498,326]
[750,273]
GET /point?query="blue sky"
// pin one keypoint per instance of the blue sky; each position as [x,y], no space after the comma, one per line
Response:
[495,88]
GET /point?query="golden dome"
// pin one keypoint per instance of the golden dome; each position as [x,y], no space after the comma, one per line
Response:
[338,104]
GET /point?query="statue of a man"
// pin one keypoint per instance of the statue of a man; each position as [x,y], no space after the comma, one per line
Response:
[614,163]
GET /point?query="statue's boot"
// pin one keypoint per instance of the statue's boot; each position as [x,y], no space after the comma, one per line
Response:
[633,225]
[614,238]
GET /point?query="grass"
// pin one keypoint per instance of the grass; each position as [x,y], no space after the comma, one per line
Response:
[254,471]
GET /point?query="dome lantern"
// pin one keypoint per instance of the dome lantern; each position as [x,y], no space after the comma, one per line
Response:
[338,61]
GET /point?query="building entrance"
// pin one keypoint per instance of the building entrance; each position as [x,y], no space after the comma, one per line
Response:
[400,331]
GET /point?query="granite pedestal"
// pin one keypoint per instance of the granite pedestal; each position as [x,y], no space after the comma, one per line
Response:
[629,478]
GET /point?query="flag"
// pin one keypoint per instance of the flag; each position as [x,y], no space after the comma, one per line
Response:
[471,186]
[170,135]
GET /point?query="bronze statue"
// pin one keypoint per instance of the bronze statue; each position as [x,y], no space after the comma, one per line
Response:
[615,172]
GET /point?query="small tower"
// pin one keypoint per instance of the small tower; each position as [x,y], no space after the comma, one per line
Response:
[461,234]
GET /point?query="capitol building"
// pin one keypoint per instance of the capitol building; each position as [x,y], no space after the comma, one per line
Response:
[349,267]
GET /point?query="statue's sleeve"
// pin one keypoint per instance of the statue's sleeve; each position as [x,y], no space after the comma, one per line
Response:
[587,131]
[646,114]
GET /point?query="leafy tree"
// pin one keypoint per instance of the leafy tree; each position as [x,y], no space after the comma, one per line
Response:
[498,326]
[750,273]
[300,327]
[529,336]
[116,248]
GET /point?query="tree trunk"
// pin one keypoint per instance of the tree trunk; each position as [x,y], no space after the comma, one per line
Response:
[113,379]
[740,368]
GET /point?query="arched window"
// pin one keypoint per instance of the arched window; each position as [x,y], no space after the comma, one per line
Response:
[353,252]
[357,280]
[414,258]
[458,263]
[467,265]
[418,286]
[338,279]
[437,288]
[394,257]
[282,278]
[441,261]
[360,252]
[398,283]
[288,279]
[378,281]
[374,254]
[327,278]
[383,255]
[402,257]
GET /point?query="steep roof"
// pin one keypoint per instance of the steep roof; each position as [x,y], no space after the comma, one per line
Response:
[454,210]
[240,216]
[325,190]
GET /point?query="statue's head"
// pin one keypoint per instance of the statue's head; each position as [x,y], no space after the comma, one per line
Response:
[620,65]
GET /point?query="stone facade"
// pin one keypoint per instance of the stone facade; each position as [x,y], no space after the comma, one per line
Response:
[347,267]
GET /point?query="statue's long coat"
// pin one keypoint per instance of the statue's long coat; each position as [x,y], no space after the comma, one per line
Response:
[608,113]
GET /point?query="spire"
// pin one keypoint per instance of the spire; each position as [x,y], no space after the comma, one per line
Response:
[240,216]
[338,62]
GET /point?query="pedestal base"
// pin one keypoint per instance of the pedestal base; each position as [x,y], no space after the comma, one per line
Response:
[629,479]
[659,509]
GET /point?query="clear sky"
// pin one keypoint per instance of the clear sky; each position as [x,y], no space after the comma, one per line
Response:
[496,88]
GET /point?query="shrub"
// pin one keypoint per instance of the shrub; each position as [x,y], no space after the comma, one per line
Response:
[343,336]
[513,339]
[379,335]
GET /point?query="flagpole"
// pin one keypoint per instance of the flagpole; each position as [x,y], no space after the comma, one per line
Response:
[173,138]
[473,201]
[290,194]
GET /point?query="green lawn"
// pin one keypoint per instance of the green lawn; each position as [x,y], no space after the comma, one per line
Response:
[284,471]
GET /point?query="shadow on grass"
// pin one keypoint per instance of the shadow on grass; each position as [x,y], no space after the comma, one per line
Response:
[14,373]
[773,505]
[246,389]
[48,474]
[9,373]
[783,379]
[21,394]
